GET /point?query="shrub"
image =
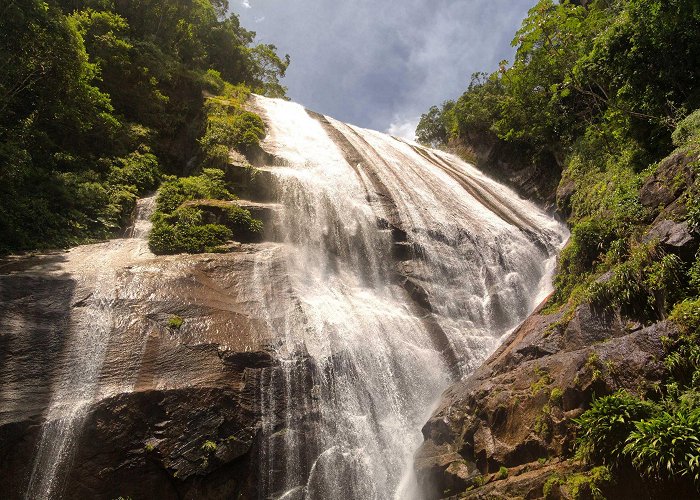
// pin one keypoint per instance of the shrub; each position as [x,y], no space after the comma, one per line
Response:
[694,275]
[212,81]
[589,240]
[686,315]
[122,202]
[687,130]
[684,363]
[543,380]
[174,192]
[248,130]
[604,428]
[667,445]
[552,482]
[185,232]
[643,286]
[503,472]
[229,126]
[556,396]
[589,485]
[209,446]
[139,169]
[181,228]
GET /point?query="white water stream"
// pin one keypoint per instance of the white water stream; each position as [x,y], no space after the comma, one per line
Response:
[89,334]
[362,364]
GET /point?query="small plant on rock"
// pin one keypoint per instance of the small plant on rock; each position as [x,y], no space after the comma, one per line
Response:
[209,446]
[175,322]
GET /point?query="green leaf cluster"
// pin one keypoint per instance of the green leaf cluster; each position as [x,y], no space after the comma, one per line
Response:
[98,97]
[180,223]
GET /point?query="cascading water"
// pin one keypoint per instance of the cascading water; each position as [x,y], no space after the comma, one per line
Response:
[78,387]
[394,270]
[406,268]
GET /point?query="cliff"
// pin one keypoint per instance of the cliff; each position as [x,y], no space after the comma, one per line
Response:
[508,429]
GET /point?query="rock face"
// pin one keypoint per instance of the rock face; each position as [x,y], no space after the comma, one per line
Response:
[176,409]
[298,365]
[515,411]
[503,161]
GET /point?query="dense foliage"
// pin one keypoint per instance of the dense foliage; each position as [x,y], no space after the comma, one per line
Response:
[99,97]
[608,89]
[180,223]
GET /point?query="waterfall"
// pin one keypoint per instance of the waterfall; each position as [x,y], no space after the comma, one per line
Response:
[390,271]
[77,388]
[406,267]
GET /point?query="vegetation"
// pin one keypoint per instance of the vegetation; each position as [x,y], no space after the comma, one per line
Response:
[175,322]
[180,223]
[99,98]
[209,446]
[579,486]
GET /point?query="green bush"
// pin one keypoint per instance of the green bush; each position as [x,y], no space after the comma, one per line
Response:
[139,169]
[683,362]
[589,240]
[175,191]
[688,130]
[604,428]
[686,315]
[552,482]
[180,227]
[248,130]
[175,322]
[556,397]
[667,445]
[209,446]
[590,484]
[229,126]
[122,202]
[212,81]
[643,286]
[185,232]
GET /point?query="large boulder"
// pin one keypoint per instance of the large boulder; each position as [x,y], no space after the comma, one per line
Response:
[516,410]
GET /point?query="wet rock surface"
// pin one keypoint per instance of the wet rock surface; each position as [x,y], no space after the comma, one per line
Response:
[298,365]
[176,409]
[504,162]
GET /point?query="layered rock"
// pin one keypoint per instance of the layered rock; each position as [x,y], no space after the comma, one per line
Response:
[535,180]
[516,410]
[175,408]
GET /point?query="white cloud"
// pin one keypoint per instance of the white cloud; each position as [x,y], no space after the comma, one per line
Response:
[403,128]
[245,3]
[259,19]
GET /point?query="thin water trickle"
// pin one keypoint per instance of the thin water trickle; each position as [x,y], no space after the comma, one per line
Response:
[370,342]
[89,334]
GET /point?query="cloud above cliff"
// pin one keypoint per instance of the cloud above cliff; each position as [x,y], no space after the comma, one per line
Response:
[381,63]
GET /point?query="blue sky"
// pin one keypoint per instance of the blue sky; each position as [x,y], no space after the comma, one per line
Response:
[381,63]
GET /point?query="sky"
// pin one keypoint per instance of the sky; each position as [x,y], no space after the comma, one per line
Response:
[380,64]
